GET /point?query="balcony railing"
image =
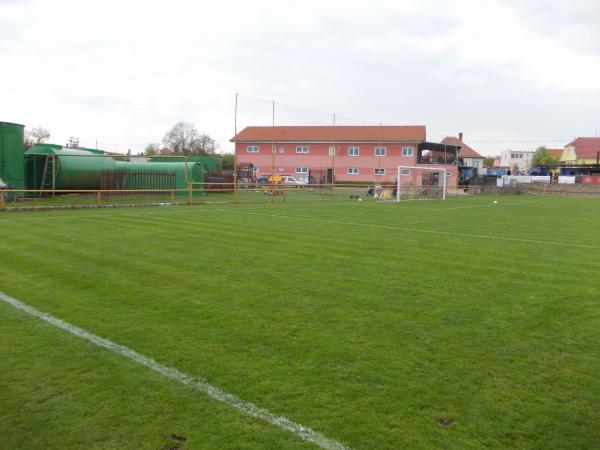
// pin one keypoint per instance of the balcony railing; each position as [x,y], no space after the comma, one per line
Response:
[449,160]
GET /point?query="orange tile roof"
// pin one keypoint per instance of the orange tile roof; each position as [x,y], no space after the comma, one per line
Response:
[586,147]
[555,152]
[384,133]
[465,150]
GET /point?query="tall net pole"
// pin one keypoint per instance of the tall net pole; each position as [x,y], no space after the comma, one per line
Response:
[273,152]
[235,150]
[333,155]
[273,140]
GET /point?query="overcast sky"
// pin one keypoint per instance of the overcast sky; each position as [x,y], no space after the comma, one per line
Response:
[509,74]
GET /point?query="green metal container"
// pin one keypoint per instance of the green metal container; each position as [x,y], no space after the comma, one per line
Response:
[12,165]
[71,168]
[35,163]
[213,165]
[195,171]
[82,168]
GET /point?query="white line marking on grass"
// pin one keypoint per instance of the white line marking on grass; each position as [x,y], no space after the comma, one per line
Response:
[417,230]
[248,408]
[485,205]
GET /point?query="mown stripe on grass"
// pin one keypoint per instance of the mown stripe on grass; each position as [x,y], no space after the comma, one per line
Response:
[304,433]
[484,205]
[422,230]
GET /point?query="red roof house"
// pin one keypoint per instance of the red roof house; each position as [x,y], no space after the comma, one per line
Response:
[468,155]
[343,153]
[555,152]
[583,150]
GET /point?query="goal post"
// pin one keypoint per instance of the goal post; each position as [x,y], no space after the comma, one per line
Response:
[421,182]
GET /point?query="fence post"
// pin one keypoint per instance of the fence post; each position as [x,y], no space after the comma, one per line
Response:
[98,195]
[189,194]
[173,196]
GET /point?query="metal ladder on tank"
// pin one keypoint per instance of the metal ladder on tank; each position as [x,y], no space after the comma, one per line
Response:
[48,177]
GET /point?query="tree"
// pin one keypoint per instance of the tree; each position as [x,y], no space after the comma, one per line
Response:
[184,139]
[488,162]
[205,145]
[37,135]
[181,138]
[542,157]
[228,160]
[152,149]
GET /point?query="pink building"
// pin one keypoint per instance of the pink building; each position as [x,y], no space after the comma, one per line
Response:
[349,153]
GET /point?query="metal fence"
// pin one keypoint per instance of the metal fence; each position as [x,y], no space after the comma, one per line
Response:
[121,188]
[129,183]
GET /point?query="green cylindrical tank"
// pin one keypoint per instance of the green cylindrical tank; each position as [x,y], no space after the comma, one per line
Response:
[82,169]
[195,171]
[12,162]
[212,164]
[35,164]
[75,169]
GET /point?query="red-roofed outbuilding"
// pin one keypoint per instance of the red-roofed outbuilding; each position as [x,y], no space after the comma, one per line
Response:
[344,153]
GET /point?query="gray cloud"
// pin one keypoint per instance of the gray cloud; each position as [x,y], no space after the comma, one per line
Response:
[506,73]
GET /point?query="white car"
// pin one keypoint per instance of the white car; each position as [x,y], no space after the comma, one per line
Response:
[293,181]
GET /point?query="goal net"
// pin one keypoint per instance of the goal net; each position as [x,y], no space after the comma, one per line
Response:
[414,183]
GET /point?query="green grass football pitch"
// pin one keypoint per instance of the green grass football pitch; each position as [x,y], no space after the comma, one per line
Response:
[456,324]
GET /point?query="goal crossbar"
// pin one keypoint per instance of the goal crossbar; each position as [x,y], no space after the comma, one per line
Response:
[431,169]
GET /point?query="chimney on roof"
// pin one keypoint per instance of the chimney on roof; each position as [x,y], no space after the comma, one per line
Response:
[460,136]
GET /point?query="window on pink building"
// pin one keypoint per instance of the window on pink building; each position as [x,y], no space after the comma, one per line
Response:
[252,149]
[407,151]
[352,171]
[302,149]
[353,151]
[380,151]
[379,171]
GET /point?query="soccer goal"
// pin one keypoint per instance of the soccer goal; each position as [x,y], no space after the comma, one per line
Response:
[414,183]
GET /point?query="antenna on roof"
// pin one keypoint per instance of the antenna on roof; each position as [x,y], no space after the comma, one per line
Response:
[73,142]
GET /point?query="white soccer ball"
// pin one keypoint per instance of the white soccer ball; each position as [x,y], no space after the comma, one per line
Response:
[360,199]
[495,202]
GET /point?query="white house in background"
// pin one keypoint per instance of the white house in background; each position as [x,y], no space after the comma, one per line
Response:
[518,160]
[467,156]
